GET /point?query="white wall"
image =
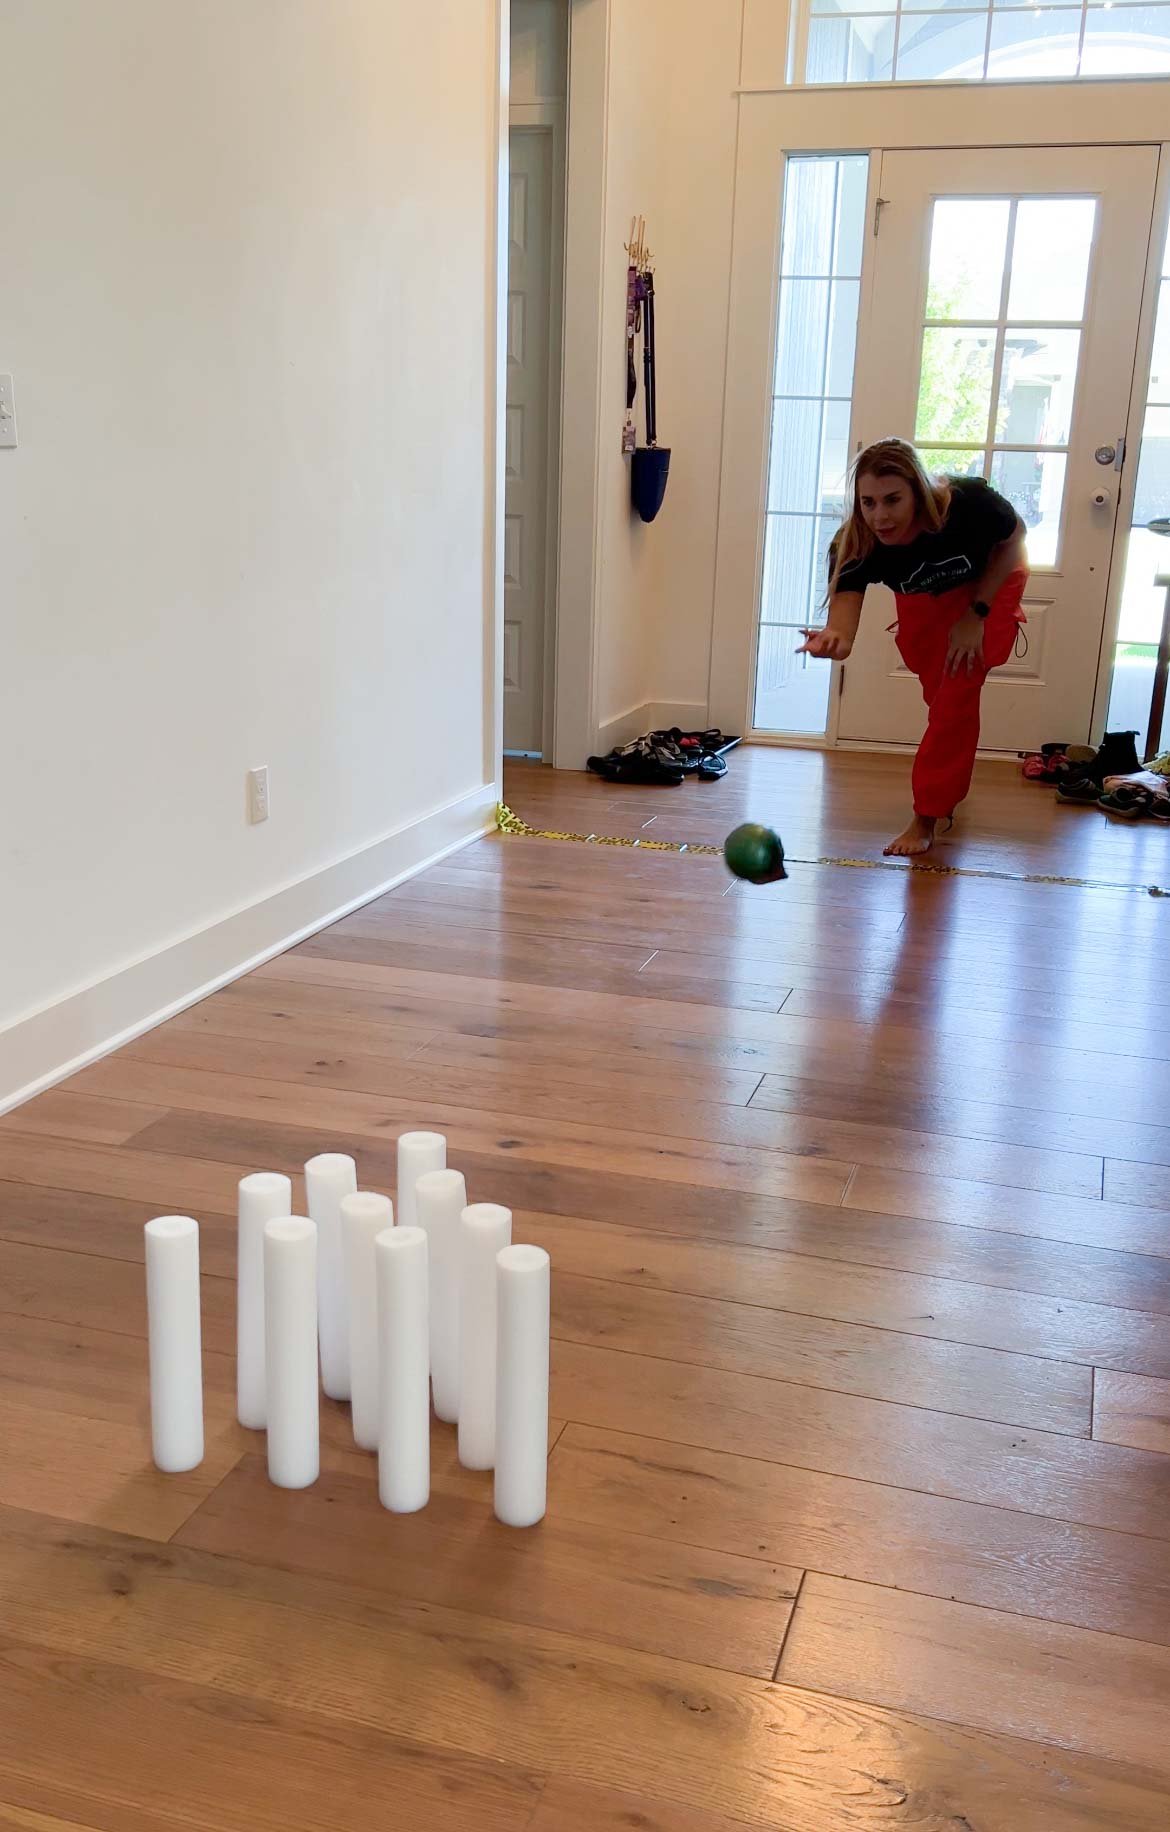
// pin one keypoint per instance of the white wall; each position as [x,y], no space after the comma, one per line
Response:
[699,119]
[651,131]
[631,553]
[766,31]
[669,154]
[248,304]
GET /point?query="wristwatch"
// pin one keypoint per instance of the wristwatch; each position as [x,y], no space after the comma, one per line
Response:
[981,608]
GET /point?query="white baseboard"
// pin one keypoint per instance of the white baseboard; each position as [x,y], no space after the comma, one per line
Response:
[879,748]
[652,715]
[47,1045]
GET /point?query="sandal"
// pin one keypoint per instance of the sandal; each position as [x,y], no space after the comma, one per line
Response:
[710,740]
[672,749]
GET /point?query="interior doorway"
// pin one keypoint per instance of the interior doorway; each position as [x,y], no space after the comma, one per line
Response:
[1001,334]
[530,437]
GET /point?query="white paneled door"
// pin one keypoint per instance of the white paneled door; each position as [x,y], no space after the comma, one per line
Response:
[526,511]
[1001,334]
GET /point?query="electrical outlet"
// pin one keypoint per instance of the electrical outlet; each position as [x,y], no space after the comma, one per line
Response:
[258,794]
[7,412]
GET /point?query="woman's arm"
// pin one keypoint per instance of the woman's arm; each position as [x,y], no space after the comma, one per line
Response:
[836,640]
[965,645]
[1009,557]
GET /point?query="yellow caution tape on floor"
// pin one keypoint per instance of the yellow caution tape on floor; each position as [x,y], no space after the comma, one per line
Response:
[511,824]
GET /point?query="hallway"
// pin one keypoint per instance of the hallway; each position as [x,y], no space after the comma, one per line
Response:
[857,1191]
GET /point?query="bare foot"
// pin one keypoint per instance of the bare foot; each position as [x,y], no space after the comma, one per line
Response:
[918,838]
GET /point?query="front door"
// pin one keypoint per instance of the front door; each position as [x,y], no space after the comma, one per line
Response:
[1001,336]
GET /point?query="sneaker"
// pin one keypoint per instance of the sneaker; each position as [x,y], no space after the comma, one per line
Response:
[1117,756]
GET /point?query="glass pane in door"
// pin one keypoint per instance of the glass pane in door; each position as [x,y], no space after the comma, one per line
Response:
[954,387]
[1036,387]
[968,243]
[1050,257]
[1034,483]
[954,460]
[1001,347]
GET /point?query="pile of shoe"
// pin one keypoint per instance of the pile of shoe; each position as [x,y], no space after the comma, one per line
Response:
[1111,778]
[1053,762]
[666,758]
[1140,795]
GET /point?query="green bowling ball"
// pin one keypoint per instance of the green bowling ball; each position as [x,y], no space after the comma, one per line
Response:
[755,853]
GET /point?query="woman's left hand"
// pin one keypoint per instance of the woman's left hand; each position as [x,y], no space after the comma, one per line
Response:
[965,646]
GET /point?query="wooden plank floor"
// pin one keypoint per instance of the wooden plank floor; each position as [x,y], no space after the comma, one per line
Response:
[858,1196]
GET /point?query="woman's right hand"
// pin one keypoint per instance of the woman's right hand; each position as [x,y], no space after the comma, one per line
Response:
[827,644]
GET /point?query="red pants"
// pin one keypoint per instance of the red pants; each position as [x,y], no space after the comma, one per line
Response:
[946,756]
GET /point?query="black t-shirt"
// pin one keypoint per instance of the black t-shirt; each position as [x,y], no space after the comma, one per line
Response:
[978,519]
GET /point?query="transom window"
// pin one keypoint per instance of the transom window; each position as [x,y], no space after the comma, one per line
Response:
[907,41]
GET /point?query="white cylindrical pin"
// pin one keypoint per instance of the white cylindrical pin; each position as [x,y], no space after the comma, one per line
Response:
[523,1290]
[290,1351]
[418,1152]
[328,1178]
[265,1196]
[404,1444]
[173,1328]
[364,1216]
[440,1198]
[485,1229]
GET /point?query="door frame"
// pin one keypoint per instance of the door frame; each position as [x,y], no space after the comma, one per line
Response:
[1151,288]
[776,124]
[1015,170]
[548,118]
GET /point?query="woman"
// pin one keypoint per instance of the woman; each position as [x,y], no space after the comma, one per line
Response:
[952,551]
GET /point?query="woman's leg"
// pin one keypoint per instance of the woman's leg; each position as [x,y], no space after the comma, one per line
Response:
[922,630]
[943,766]
[942,772]
[945,761]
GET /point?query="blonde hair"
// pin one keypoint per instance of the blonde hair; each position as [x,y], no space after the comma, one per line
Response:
[853,541]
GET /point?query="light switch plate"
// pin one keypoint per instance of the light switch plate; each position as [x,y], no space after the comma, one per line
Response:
[7,412]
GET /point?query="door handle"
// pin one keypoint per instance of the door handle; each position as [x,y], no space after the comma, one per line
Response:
[1112,454]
